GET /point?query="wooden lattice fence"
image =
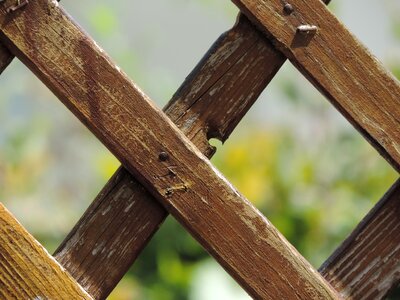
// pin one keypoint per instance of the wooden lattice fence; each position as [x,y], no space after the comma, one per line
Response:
[164,155]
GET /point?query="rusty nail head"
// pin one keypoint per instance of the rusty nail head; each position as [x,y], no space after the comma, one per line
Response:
[163,156]
[288,8]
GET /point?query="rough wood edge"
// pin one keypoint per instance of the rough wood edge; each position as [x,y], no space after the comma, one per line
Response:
[27,270]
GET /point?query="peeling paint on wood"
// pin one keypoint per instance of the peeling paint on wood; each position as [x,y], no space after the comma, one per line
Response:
[124,119]
[27,270]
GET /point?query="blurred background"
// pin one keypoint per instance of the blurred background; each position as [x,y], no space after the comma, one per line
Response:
[293,155]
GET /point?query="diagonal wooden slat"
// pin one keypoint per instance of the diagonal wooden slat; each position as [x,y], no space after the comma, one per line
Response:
[378,283]
[6,57]
[123,118]
[110,235]
[210,102]
[27,270]
[338,65]
[367,264]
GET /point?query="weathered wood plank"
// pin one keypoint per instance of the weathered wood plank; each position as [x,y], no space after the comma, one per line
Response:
[5,58]
[110,235]
[123,118]
[367,264]
[211,102]
[27,270]
[224,85]
[338,65]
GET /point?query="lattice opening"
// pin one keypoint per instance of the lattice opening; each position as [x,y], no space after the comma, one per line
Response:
[207,229]
[304,166]
[48,158]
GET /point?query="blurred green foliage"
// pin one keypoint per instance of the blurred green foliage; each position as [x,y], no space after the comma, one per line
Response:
[307,170]
[103,19]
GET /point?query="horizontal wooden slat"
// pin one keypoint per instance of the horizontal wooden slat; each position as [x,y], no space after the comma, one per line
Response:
[338,65]
[367,264]
[211,102]
[27,270]
[123,118]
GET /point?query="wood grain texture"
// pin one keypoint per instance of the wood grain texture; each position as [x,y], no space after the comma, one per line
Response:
[5,58]
[110,235]
[124,216]
[79,72]
[27,270]
[338,65]
[224,85]
[367,264]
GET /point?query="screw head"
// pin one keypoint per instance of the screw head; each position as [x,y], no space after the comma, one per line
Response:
[163,156]
[288,8]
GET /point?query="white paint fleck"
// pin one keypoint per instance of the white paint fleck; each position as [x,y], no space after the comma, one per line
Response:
[204,201]
[199,83]
[374,124]
[214,90]
[129,207]
[104,212]
[97,248]
[74,240]
[189,122]
[98,47]
[111,253]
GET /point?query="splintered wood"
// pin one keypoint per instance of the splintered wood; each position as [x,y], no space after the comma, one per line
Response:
[27,271]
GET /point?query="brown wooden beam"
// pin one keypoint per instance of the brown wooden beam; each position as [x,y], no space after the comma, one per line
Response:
[210,103]
[367,264]
[123,118]
[338,65]
[27,270]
